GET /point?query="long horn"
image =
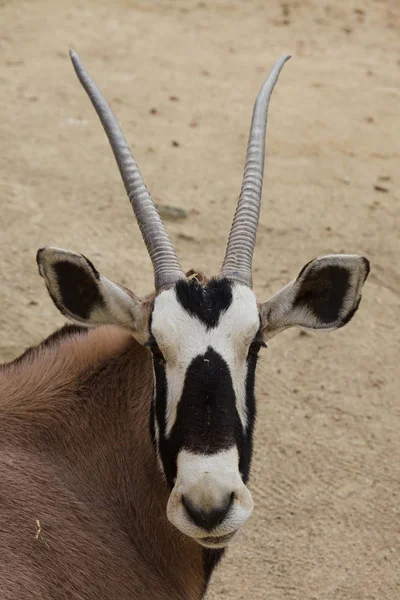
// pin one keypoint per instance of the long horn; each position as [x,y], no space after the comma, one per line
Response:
[242,238]
[167,269]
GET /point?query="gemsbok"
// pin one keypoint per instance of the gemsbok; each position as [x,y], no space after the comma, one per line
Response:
[126,447]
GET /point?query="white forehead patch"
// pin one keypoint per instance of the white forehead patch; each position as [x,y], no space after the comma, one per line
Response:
[182,336]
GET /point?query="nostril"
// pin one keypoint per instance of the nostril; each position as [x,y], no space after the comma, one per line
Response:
[208,519]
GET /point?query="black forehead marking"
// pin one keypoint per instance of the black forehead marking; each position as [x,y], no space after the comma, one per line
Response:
[207,302]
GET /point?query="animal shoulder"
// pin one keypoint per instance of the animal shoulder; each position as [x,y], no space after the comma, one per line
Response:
[60,363]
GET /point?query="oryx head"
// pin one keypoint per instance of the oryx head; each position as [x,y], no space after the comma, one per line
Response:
[204,335]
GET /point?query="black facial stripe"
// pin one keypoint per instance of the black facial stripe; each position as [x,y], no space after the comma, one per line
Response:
[323,292]
[246,449]
[78,289]
[257,343]
[160,390]
[207,302]
[160,409]
[152,424]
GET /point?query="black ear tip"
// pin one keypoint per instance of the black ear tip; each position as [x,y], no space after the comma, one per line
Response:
[367,266]
[39,260]
[351,313]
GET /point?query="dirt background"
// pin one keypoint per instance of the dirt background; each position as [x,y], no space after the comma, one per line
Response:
[182,77]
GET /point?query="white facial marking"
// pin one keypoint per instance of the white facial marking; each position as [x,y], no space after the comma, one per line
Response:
[181,337]
[205,481]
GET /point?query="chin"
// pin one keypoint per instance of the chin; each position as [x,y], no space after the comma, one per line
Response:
[218,541]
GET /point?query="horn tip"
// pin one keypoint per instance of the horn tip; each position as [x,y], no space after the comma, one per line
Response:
[74,56]
[284,58]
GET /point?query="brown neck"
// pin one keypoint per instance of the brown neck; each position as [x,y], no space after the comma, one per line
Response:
[94,425]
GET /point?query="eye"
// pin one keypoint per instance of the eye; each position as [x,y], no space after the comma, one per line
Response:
[155,350]
[157,353]
[256,346]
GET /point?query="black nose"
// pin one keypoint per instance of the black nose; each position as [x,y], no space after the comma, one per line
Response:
[205,519]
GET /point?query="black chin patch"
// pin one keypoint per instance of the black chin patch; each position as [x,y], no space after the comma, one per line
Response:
[207,302]
[211,558]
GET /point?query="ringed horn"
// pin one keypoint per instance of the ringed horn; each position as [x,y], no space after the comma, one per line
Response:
[167,269]
[242,237]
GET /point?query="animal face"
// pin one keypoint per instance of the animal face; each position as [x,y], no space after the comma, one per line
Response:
[205,341]
[204,336]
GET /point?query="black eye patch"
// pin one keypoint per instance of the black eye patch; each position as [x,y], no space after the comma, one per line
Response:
[257,343]
[154,348]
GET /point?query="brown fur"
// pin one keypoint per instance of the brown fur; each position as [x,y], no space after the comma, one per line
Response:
[203,279]
[82,501]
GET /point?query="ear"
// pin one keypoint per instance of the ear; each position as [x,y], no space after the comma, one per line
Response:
[82,294]
[325,295]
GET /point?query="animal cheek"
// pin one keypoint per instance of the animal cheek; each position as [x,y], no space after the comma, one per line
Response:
[170,356]
[175,370]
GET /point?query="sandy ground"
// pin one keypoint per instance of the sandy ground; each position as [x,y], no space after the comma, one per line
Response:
[182,77]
